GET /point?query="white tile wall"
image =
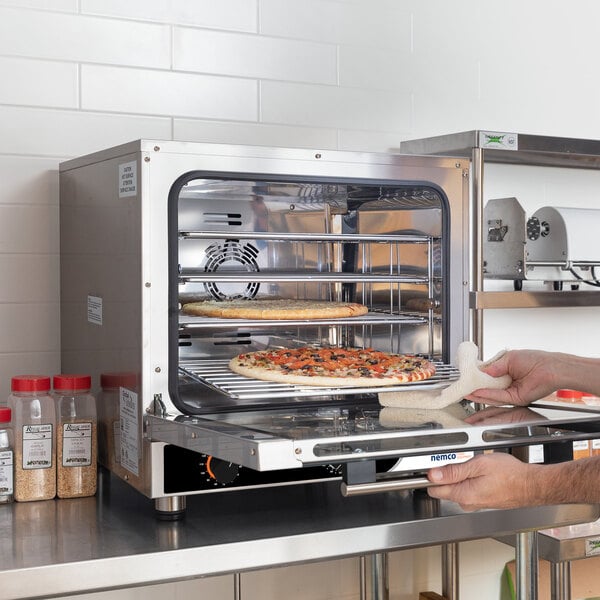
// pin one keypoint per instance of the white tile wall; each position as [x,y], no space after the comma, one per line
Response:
[80,75]
[60,133]
[236,132]
[358,23]
[59,5]
[256,56]
[344,108]
[38,83]
[119,89]
[231,15]
[79,38]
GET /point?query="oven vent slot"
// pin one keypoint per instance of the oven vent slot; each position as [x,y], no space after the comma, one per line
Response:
[228,339]
[231,219]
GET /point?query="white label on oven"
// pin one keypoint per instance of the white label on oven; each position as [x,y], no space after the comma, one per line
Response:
[128,179]
[94,310]
[499,140]
[128,412]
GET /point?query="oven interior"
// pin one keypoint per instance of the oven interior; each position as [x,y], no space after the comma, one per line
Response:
[382,244]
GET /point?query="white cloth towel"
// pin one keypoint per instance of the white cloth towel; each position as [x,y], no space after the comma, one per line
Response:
[471,379]
[451,417]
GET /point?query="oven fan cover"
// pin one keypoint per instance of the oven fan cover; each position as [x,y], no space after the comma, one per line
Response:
[231,254]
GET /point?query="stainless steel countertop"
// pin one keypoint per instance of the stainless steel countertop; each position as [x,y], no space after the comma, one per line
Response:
[113,540]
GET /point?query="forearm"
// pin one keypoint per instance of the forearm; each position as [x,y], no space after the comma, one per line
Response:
[576,481]
[576,372]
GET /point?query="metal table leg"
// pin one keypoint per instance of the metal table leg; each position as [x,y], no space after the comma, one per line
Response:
[527,566]
[378,570]
[450,586]
[237,586]
[560,580]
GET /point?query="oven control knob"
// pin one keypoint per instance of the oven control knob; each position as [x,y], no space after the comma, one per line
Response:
[219,472]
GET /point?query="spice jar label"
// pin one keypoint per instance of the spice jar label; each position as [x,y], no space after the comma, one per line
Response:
[76,444]
[37,446]
[6,472]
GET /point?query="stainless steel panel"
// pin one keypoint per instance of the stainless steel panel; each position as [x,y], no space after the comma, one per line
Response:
[114,541]
[297,436]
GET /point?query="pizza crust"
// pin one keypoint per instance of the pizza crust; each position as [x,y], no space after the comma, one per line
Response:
[276,309]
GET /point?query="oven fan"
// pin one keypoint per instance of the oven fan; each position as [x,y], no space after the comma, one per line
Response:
[229,255]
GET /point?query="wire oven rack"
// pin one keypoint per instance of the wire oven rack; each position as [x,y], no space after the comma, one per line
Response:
[216,374]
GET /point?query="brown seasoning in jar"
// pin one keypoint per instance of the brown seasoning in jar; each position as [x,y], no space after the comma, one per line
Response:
[34,427]
[77,480]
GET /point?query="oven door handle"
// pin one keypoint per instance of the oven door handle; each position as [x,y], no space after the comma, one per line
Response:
[393,485]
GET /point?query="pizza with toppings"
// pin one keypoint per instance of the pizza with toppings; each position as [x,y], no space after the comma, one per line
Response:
[276,309]
[333,366]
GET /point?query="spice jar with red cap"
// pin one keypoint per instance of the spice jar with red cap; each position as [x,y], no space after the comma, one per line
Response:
[6,457]
[34,421]
[76,436]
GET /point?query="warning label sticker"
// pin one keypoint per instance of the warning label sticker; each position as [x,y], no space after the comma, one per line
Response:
[128,179]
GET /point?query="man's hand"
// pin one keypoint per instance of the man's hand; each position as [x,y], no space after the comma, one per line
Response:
[494,480]
[534,374]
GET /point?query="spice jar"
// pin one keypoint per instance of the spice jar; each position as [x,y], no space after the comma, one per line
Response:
[34,430]
[76,436]
[6,457]
[109,418]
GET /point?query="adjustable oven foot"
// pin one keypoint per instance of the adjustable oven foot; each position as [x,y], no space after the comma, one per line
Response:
[170,508]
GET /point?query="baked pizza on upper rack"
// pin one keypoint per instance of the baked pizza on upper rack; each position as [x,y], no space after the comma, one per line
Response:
[335,367]
[274,308]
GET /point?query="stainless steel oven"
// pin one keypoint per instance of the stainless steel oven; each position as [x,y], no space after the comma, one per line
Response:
[149,225]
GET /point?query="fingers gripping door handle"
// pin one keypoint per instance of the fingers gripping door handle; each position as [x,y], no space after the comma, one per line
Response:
[392,485]
[360,478]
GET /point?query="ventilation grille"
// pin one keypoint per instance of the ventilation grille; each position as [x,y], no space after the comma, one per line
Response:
[234,256]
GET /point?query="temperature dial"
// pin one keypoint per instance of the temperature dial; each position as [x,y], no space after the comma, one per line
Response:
[218,472]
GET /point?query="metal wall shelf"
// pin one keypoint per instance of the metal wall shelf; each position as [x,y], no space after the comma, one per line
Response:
[559,299]
[516,149]
[525,149]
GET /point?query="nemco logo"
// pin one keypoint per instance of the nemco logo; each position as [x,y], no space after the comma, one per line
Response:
[443,457]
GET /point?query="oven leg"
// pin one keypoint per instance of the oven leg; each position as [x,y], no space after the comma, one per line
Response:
[378,571]
[527,566]
[170,508]
[450,571]
[560,580]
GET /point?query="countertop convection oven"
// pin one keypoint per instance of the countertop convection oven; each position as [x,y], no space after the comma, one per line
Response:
[149,225]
